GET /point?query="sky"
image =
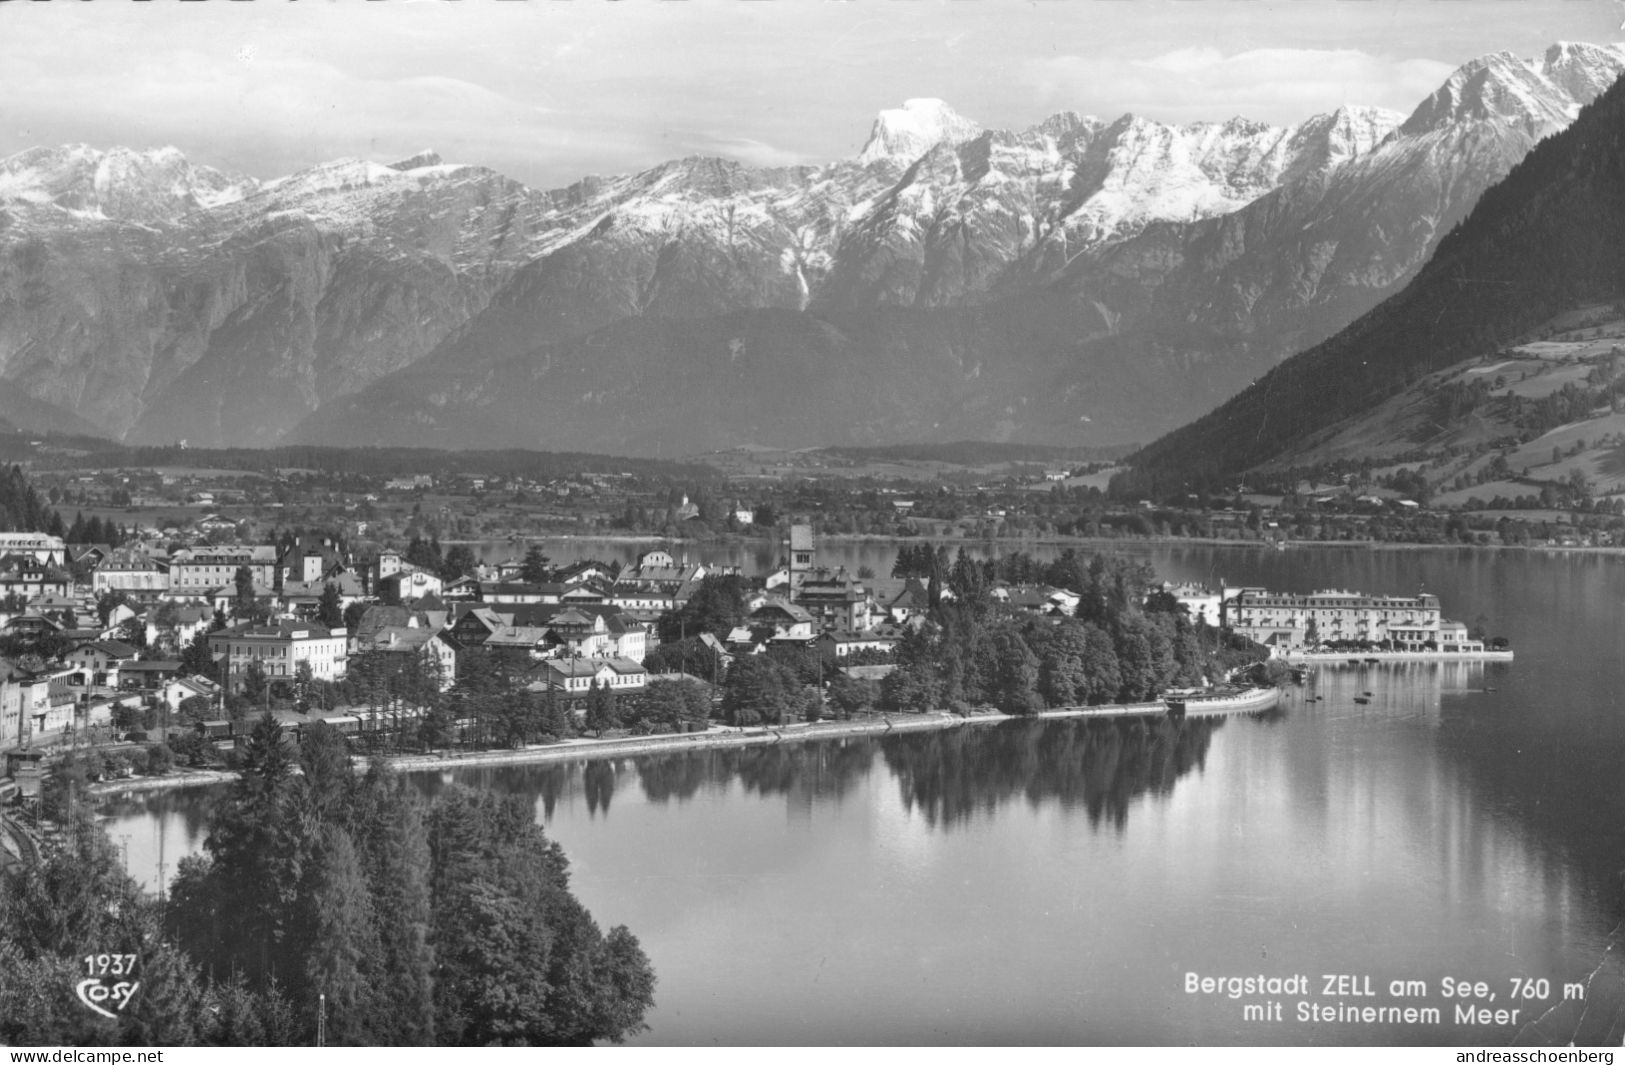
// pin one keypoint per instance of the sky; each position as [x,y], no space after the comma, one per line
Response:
[548,91]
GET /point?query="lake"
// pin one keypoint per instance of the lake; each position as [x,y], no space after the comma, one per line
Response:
[1058,882]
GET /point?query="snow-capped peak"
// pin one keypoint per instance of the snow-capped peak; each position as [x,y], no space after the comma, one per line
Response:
[427,157]
[901,135]
[1539,95]
[127,184]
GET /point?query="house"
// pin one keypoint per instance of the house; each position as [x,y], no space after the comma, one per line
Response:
[407,583]
[177,690]
[22,575]
[223,599]
[912,600]
[842,644]
[380,617]
[1036,599]
[577,676]
[1200,602]
[43,548]
[31,625]
[97,664]
[133,573]
[36,701]
[785,619]
[148,675]
[310,559]
[835,600]
[179,625]
[657,571]
[518,646]
[304,598]
[428,645]
[587,570]
[278,648]
[473,627]
[201,569]
[518,592]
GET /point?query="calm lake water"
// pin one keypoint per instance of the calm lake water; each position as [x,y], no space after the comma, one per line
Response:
[1056,882]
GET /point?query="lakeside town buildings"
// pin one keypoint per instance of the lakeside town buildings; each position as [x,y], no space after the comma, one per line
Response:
[123,616]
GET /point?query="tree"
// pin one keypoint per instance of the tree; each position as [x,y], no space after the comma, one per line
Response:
[535,568]
[244,604]
[194,710]
[1062,679]
[255,684]
[602,712]
[234,907]
[850,696]
[329,608]
[717,606]
[324,759]
[196,658]
[346,956]
[134,632]
[424,554]
[459,562]
[909,690]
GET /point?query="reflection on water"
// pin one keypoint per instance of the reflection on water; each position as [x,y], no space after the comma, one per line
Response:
[1099,766]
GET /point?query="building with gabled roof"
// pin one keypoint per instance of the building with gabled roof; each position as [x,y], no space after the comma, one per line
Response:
[41,547]
[278,648]
[429,645]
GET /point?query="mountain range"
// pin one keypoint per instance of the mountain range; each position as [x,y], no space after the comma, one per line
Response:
[1507,341]
[1077,282]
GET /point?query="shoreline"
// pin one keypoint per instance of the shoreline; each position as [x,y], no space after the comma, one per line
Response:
[718,736]
[1385,657]
[1018,542]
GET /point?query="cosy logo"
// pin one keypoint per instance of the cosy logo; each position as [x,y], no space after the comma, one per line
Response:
[109,983]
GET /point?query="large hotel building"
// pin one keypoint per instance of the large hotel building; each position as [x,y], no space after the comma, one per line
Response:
[1284,622]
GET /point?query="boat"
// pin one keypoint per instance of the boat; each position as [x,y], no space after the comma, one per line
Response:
[1362,700]
[1354,661]
[1221,700]
[1373,661]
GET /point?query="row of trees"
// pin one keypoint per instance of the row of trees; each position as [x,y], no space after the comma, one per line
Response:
[1127,643]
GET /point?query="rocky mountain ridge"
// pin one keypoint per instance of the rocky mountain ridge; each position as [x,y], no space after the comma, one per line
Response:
[1072,282]
[1505,344]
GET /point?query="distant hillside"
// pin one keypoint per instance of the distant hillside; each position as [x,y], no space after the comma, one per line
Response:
[1545,240]
[23,413]
[977,453]
[381,461]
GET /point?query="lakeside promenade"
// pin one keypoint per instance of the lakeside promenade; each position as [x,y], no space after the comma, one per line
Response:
[717,736]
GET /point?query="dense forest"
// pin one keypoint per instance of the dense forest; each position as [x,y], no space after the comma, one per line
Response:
[326,906]
[1545,240]
[22,509]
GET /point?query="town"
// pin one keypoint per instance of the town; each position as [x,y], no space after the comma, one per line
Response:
[134,650]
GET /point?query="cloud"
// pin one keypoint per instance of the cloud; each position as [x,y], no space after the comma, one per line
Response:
[1272,84]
